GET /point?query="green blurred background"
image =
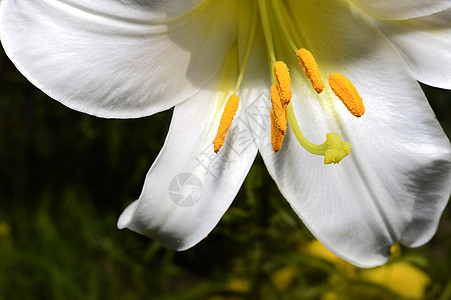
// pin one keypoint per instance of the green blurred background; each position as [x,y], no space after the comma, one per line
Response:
[66,176]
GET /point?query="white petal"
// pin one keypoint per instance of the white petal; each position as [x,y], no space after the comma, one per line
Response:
[189,187]
[425,45]
[401,9]
[118,58]
[396,181]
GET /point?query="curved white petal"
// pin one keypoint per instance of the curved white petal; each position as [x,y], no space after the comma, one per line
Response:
[189,187]
[396,181]
[401,9]
[118,58]
[425,45]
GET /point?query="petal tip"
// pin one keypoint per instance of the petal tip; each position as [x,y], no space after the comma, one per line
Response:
[127,215]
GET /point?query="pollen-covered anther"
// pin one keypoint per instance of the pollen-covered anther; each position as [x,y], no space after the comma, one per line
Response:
[283,81]
[226,120]
[276,135]
[347,93]
[311,70]
[279,110]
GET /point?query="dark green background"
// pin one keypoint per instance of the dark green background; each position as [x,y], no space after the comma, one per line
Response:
[66,176]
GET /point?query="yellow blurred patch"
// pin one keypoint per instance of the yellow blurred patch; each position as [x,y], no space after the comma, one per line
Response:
[315,248]
[395,250]
[5,229]
[240,285]
[283,278]
[401,277]
[331,296]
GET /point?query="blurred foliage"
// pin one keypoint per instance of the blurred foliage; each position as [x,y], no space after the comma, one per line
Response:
[66,176]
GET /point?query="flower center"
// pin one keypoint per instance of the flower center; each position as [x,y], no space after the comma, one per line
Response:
[334,149]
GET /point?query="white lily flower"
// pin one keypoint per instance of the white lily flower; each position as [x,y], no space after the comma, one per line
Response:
[134,58]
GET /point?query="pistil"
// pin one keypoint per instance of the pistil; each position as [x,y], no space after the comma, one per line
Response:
[334,149]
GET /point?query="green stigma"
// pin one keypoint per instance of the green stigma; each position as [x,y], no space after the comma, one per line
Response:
[334,149]
[337,148]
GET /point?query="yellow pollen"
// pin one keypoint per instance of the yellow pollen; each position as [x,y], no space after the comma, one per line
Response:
[283,81]
[226,120]
[279,109]
[347,93]
[311,69]
[276,135]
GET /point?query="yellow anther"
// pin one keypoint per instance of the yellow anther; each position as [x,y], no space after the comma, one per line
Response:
[311,69]
[283,81]
[347,93]
[279,109]
[276,135]
[337,149]
[226,120]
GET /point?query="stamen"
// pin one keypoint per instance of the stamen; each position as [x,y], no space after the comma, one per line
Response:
[347,93]
[250,42]
[226,120]
[311,69]
[283,81]
[336,149]
[276,135]
[266,26]
[281,14]
[279,110]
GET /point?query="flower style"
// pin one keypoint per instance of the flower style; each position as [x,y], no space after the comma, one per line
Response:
[134,58]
